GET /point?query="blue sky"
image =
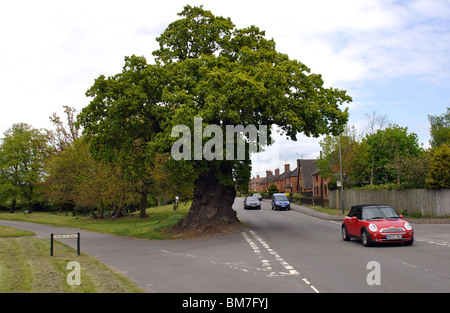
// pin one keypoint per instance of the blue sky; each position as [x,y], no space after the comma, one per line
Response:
[393,57]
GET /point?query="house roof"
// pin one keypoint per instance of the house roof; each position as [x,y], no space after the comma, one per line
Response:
[273,178]
[256,180]
[307,167]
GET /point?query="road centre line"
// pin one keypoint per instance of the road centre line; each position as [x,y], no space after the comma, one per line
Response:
[266,263]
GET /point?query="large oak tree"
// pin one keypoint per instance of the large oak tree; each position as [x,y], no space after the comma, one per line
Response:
[207,68]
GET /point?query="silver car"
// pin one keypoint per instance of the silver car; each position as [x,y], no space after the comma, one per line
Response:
[252,203]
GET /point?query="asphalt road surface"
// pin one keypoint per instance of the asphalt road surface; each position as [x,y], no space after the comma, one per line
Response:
[282,252]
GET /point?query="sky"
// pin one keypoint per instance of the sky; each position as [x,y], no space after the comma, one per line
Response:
[392,57]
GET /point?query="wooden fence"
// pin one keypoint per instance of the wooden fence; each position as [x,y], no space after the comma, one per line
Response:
[428,202]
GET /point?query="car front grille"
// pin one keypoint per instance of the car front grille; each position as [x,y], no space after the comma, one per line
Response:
[392,230]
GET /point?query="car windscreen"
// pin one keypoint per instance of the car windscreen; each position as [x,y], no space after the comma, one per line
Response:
[280,198]
[378,212]
[252,200]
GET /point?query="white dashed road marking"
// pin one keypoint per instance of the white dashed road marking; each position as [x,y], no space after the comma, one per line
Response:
[266,265]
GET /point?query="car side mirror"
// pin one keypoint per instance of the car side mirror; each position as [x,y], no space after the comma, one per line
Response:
[401,216]
[354,218]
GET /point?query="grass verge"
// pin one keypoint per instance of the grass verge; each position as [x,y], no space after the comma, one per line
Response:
[27,267]
[327,210]
[151,227]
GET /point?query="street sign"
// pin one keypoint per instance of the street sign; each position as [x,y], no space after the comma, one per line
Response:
[64,236]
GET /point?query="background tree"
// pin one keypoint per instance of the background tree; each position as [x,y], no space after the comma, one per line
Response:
[64,133]
[412,170]
[396,145]
[439,175]
[355,158]
[76,179]
[123,117]
[22,162]
[387,148]
[167,182]
[440,129]
[375,123]
[64,170]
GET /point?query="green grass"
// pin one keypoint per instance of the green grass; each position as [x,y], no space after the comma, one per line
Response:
[152,227]
[6,231]
[327,210]
[27,267]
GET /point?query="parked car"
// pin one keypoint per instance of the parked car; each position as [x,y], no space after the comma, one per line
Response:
[280,202]
[376,224]
[252,203]
[257,196]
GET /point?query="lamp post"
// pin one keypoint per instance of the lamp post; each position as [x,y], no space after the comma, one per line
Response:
[175,204]
[342,181]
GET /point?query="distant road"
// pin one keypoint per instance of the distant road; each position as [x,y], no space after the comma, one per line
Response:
[284,251]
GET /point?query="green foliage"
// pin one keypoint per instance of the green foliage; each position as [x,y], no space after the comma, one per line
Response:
[205,68]
[439,174]
[273,189]
[237,77]
[76,179]
[123,118]
[354,158]
[388,147]
[388,158]
[23,152]
[440,129]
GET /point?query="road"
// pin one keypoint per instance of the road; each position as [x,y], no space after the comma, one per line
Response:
[283,251]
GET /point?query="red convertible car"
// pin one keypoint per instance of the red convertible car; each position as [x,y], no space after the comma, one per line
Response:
[376,224]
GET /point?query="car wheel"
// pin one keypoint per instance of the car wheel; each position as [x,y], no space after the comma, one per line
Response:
[409,242]
[344,233]
[365,238]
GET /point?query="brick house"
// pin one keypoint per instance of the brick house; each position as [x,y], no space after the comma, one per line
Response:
[287,182]
[306,168]
[299,180]
[255,184]
[320,186]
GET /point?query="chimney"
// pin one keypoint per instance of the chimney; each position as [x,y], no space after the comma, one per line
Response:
[277,171]
[257,175]
[287,167]
[268,173]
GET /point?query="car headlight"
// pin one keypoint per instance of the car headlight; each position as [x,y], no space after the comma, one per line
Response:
[408,226]
[373,227]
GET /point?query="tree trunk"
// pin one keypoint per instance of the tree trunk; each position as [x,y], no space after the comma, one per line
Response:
[13,206]
[143,204]
[212,203]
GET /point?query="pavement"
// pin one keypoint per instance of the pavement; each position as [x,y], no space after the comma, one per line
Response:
[325,216]
[312,212]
